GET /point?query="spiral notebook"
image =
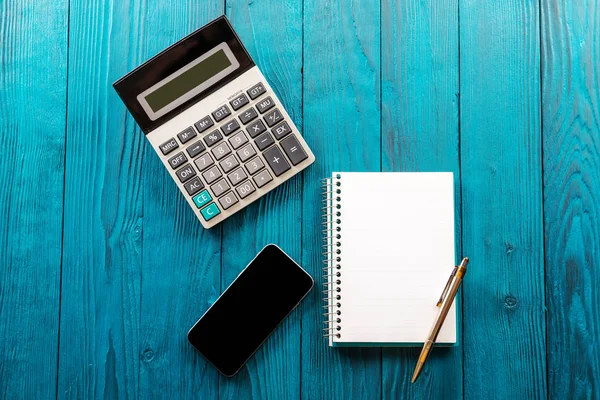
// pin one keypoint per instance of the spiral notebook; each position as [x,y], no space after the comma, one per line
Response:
[389,252]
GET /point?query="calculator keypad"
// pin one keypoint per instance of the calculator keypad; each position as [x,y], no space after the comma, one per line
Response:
[212,174]
[256,128]
[221,151]
[204,124]
[228,200]
[246,152]
[168,146]
[238,140]
[221,113]
[256,90]
[196,149]
[265,104]
[293,150]
[186,173]
[230,127]
[248,115]
[273,117]
[237,176]
[255,165]
[276,160]
[212,138]
[220,187]
[229,163]
[245,189]
[264,141]
[194,186]
[187,135]
[204,162]
[218,173]
[177,160]
[239,102]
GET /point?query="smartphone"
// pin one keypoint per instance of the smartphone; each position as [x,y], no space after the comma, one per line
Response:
[250,309]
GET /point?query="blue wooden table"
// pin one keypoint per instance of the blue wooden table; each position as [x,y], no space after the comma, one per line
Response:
[103,267]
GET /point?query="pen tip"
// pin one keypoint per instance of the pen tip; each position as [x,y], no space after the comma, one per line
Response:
[416,373]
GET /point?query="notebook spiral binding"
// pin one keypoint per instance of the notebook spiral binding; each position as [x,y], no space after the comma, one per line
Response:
[332,253]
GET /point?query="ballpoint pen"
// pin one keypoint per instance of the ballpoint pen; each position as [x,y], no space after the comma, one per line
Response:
[445,302]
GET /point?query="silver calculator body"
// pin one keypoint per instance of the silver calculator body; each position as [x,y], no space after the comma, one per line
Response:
[215,122]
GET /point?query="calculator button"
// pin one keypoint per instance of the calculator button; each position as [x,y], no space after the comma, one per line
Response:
[246,152]
[212,138]
[248,115]
[239,102]
[204,162]
[177,160]
[210,211]
[281,130]
[237,176]
[276,160]
[221,113]
[256,128]
[221,151]
[255,165]
[265,104]
[264,141]
[187,135]
[263,178]
[238,140]
[194,186]
[168,146]
[245,189]
[230,127]
[204,124]
[195,149]
[256,90]
[273,117]
[220,187]
[293,150]
[186,173]
[212,174]
[228,200]
[202,198]
[229,163]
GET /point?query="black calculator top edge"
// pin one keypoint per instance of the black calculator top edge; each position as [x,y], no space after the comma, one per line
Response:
[173,58]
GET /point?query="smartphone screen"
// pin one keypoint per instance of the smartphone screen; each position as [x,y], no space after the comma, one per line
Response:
[248,311]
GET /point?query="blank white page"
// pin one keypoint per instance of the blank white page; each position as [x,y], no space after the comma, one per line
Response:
[397,252]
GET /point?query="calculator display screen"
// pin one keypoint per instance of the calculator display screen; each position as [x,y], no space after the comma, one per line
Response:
[188,81]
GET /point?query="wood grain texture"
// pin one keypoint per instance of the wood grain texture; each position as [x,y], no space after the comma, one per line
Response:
[33,89]
[571,139]
[370,85]
[419,58]
[181,275]
[503,292]
[342,126]
[276,47]
[100,307]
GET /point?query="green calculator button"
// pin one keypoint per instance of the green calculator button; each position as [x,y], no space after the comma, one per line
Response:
[202,198]
[210,212]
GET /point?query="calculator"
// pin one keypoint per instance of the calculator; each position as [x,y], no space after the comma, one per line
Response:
[214,121]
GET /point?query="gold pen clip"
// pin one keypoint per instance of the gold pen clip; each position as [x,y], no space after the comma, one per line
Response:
[463,264]
[447,287]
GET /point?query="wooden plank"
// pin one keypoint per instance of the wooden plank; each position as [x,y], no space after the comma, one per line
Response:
[182,260]
[503,319]
[342,126]
[103,209]
[272,33]
[419,57]
[33,87]
[571,139]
